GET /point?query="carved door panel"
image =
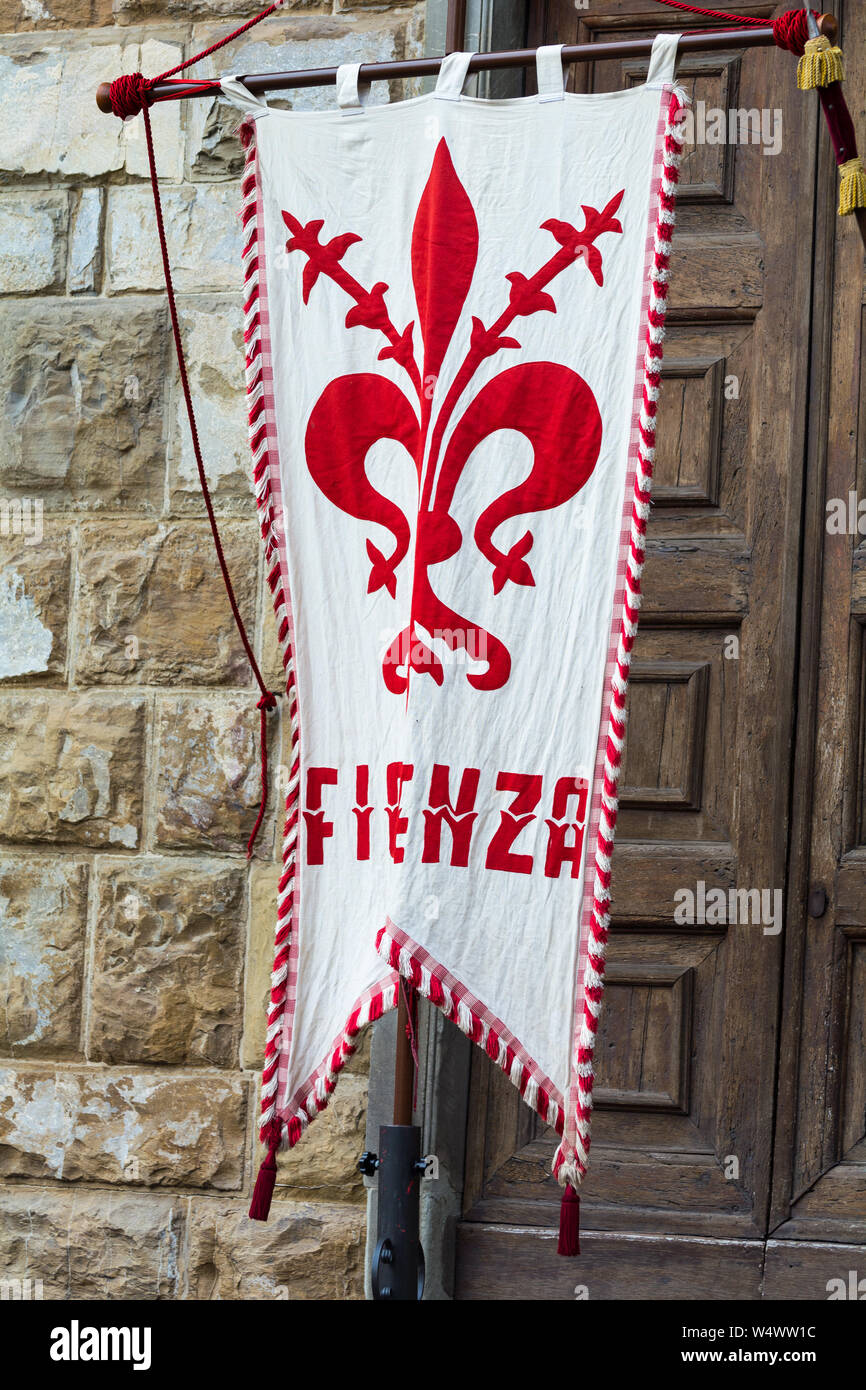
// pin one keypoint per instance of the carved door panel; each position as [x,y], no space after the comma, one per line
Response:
[687,1053]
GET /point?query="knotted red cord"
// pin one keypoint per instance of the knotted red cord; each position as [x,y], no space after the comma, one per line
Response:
[126,93]
[791,30]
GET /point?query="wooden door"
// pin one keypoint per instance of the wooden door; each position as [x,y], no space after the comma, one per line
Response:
[818,1217]
[677,1201]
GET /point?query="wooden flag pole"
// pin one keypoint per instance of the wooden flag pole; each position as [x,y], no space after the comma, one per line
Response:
[404,1064]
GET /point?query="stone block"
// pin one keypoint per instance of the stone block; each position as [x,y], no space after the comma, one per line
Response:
[168,962]
[324,1165]
[213,340]
[54,82]
[208,775]
[32,241]
[85,244]
[134,11]
[305,1251]
[34,604]
[19,16]
[83,388]
[152,606]
[146,1129]
[260,960]
[73,770]
[43,924]
[203,233]
[88,1246]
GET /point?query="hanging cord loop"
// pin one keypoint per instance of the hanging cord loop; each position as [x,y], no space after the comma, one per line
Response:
[130,94]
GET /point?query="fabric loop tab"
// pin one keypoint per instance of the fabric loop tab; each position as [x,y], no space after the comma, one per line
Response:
[234,91]
[663,60]
[550,73]
[351,92]
[452,75]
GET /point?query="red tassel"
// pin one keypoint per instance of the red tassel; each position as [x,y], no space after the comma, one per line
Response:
[264,1188]
[569,1223]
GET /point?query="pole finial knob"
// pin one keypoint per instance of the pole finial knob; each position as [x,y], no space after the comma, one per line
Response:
[828,26]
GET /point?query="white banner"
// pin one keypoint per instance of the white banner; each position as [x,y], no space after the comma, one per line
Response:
[454,321]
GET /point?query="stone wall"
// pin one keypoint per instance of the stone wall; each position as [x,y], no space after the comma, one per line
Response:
[136,940]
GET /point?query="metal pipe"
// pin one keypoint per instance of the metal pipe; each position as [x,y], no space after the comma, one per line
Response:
[176,89]
[398,1260]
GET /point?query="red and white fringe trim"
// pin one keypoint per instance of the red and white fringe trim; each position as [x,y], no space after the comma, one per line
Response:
[263,446]
[281,1131]
[442,989]
[313,1097]
[570,1162]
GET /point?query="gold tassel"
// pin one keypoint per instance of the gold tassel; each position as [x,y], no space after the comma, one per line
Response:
[820,64]
[852,189]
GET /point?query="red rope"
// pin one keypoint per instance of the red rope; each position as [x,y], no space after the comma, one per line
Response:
[236,33]
[137,85]
[790,30]
[128,94]
[716,14]
[267,701]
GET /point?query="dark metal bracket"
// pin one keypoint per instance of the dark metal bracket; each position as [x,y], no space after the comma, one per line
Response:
[398,1259]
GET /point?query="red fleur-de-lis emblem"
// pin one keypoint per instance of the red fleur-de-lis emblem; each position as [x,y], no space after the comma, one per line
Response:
[546,402]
